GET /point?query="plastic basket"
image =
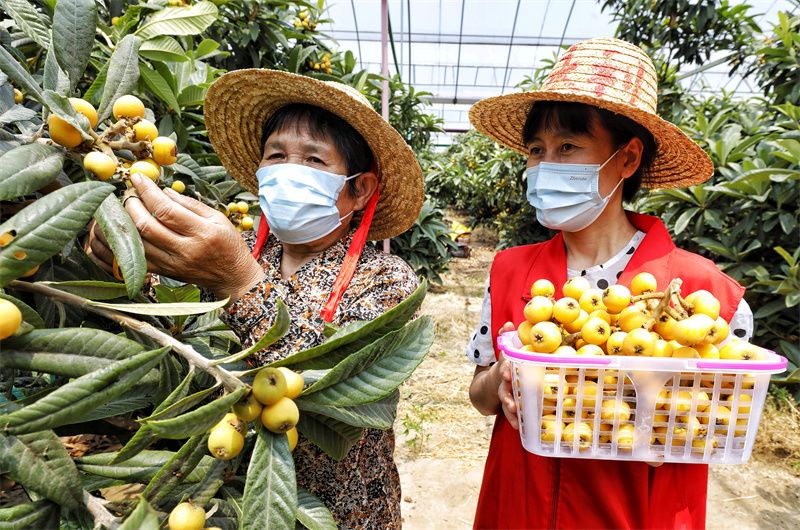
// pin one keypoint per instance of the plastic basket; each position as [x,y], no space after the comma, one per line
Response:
[678,409]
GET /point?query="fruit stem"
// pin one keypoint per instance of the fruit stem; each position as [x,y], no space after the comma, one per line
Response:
[684,304]
[228,380]
[572,337]
[648,296]
[140,149]
[673,288]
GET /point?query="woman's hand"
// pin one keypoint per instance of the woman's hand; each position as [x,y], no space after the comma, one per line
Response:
[185,240]
[505,392]
[486,392]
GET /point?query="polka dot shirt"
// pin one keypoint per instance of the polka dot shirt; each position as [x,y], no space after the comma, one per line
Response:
[480,349]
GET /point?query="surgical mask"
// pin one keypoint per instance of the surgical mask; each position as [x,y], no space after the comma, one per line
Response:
[566,196]
[299,202]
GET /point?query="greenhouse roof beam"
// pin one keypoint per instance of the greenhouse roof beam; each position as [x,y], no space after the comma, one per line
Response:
[358,37]
[450,38]
[510,46]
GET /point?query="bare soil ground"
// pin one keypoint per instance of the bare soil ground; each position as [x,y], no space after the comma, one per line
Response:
[442,441]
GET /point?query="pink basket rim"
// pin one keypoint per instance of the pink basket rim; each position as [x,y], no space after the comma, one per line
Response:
[776,364]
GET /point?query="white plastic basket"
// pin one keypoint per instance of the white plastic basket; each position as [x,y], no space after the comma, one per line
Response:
[670,419]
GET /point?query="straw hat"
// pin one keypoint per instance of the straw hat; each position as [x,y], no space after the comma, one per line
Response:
[238,104]
[614,75]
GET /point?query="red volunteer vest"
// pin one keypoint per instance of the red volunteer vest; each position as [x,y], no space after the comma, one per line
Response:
[523,490]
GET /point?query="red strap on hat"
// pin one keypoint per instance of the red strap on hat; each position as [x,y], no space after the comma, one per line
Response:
[261,237]
[350,260]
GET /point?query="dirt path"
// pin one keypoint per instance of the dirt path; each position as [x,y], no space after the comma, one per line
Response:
[442,441]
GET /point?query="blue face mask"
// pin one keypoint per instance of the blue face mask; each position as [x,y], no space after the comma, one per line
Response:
[299,202]
[566,196]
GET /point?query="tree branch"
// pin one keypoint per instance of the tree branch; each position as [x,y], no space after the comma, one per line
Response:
[228,380]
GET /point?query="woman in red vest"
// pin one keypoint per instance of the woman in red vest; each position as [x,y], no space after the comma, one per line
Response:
[592,138]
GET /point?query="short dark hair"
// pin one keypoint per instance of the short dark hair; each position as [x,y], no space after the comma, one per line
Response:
[323,125]
[577,118]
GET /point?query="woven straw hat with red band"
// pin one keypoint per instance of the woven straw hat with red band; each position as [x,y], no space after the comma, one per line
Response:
[238,104]
[614,75]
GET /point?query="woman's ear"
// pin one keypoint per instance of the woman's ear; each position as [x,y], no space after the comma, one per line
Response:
[366,184]
[631,157]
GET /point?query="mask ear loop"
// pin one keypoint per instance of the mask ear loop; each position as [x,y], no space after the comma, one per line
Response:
[348,267]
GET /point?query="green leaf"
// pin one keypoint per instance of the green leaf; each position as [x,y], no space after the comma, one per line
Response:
[74,24]
[270,493]
[54,77]
[42,514]
[163,48]
[44,227]
[145,436]
[164,310]
[144,517]
[61,106]
[29,20]
[332,436]
[39,462]
[93,343]
[378,414]
[273,335]
[179,21]
[29,314]
[140,468]
[312,514]
[160,87]
[181,405]
[197,421]
[28,168]
[65,364]
[123,74]
[176,468]
[81,395]
[125,243]
[20,77]
[92,289]
[376,370]
[343,344]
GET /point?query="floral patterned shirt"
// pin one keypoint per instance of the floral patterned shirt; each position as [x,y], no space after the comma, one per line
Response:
[363,489]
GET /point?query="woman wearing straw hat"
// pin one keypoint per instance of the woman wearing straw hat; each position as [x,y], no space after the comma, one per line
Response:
[318,156]
[591,137]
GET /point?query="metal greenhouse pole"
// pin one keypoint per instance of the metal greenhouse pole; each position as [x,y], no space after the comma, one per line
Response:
[385,74]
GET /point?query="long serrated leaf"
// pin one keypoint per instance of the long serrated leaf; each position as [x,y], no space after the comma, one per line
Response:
[163,48]
[344,344]
[79,341]
[29,314]
[39,462]
[54,77]
[375,371]
[311,513]
[179,21]
[176,468]
[137,398]
[270,493]
[74,24]
[28,168]
[20,76]
[273,335]
[43,228]
[145,436]
[91,289]
[66,364]
[164,310]
[29,20]
[210,484]
[378,414]
[197,421]
[159,86]
[42,515]
[125,243]
[332,436]
[140,468]
[144,517]
[82,394]
[123,74]
[181,405]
